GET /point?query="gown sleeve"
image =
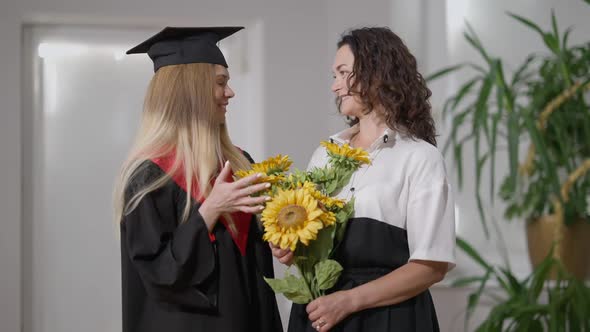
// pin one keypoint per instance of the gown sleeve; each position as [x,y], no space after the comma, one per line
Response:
[176,261]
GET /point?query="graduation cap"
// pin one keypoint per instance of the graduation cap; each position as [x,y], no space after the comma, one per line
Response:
[173,46]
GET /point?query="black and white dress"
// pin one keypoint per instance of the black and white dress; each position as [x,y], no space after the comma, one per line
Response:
[404,210]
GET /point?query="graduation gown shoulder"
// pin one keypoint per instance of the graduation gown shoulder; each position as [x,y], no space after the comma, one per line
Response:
[175,278]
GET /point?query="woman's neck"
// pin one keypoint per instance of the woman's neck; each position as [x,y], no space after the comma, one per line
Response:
[371,126]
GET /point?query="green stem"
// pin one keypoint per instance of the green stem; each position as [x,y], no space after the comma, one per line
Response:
[564,71]
[303,276]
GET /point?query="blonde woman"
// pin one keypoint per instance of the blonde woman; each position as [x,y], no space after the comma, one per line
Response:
[191,251]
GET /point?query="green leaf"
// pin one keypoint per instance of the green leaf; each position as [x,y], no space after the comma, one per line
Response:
[477,68]
[294,288]
[305,265]
[465,281]
[482,108]
[447,107]
[554,24]
[472,39]
[527,22]
[503,95]
[565,38]
[507,188]
[520,72]
[343,179]
[331,186]
[346,212]
[458,153]
[513,287]
[457,122]
[327,273]
[552,42]
[479,165]
[464,90]
[513,143]
[321,247]
[457,144]
[512,211]
[482,217]
[321,176]
[535,325]
[443,72]
[548,164]
[301,176]
[479,122]
[501,84]
[342,218]
[473,298]
[471,252]
[580,306]
[540,275]
[333,178]
[495,120]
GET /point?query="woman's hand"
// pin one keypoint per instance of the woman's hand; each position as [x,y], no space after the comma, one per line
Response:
[284,256]
[403,283]
[228,197]
[327,311]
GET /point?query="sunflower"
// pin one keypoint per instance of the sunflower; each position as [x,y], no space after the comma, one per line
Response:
[273,165]
[293,216]
[357,156]
[264,178]
[327,201]
[272,169]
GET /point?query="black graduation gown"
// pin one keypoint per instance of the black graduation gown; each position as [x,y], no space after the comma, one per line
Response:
[372,249]
[175,279]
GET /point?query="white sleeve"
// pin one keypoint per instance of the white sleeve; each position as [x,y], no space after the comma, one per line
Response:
[431,210]
[318,159]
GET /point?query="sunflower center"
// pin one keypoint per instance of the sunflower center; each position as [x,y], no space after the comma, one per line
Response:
[292,216]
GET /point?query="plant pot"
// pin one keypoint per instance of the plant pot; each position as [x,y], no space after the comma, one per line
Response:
[574,250]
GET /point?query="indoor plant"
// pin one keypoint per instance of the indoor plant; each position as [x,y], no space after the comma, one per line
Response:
[530,304]
[542,101]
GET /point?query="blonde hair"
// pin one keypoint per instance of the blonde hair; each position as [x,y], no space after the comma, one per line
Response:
[179,119]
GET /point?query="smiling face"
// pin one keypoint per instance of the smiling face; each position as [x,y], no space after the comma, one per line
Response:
[349,102]
[222,91]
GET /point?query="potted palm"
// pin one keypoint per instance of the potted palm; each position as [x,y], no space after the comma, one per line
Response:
[543,104]
[533,303]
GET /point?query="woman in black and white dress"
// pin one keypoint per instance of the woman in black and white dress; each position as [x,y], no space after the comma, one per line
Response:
[401,239]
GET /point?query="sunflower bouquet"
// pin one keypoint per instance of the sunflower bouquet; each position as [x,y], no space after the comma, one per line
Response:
[303,216]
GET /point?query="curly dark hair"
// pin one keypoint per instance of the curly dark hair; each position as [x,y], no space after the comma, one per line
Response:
[385,74]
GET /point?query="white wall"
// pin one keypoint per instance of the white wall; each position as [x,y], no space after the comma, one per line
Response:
[10,182]
[343,15]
